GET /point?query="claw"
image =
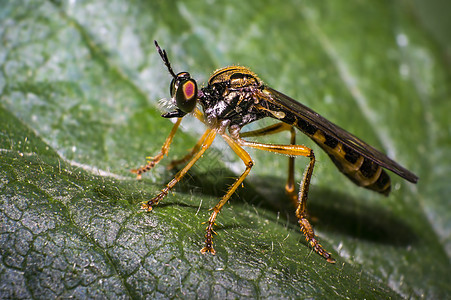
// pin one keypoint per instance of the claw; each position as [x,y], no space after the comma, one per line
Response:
[208,249]
[146,206]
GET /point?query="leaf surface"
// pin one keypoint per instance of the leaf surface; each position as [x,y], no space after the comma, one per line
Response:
[79,89]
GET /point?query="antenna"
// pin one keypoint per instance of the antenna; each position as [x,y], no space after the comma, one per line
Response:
[165,59]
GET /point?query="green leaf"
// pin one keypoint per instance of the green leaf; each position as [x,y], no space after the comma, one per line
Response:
[79,89]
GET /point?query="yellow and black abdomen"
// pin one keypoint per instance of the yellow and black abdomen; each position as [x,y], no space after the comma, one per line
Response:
[360,162]
[359,169]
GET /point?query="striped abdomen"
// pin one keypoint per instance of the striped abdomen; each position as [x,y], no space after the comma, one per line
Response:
[359,169]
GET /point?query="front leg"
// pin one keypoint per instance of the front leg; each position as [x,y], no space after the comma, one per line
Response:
[190,155]
[210,135]
[200,116]
[245,157]
[164,151]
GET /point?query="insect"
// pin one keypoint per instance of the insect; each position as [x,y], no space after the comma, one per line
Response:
[235,97]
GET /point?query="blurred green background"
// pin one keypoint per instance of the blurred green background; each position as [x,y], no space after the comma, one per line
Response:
[80,83]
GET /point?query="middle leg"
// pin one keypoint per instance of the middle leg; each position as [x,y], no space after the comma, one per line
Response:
[210,135]
[290,188]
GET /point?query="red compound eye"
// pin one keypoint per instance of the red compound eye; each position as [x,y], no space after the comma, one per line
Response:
[189,89]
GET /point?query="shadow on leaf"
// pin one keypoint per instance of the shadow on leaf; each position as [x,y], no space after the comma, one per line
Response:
[336,212]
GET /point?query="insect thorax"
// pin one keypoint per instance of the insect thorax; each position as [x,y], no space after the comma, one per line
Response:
[231,94]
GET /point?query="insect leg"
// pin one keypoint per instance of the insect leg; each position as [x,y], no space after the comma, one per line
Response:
[164,151]
[290,186]
[276,128]
[301,211]
[291,150]
[200,116]
[245,157]
[272,129]
[187,157]
[209,138]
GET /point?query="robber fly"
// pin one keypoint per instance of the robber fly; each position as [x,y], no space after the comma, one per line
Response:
[235,97]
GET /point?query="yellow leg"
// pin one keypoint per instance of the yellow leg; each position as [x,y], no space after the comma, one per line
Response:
[200,116]
[187,157]
[211,222]
[276,128]
[301,213]
[164,151]
[210,135]
[290,187]
[301,210]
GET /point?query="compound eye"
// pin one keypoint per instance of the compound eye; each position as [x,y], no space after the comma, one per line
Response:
[186,95]
[176,82]
[172,88]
